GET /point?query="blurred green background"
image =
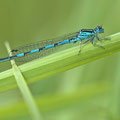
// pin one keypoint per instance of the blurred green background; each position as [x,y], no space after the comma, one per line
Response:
[89,92]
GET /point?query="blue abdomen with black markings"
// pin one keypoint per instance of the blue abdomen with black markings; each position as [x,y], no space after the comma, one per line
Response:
[43,48]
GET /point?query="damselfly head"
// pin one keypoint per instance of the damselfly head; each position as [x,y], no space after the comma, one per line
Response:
[99,29]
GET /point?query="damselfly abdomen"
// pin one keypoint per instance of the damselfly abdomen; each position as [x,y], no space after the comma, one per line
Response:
[43,48]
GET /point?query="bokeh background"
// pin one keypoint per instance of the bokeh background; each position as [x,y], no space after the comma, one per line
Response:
[88,92]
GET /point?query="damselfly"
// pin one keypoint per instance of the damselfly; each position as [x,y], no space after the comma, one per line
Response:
[40,49]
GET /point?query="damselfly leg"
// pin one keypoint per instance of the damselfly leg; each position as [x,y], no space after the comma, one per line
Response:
[80,47]
[94,44]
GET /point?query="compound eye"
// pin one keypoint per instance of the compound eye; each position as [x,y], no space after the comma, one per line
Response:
[98,27]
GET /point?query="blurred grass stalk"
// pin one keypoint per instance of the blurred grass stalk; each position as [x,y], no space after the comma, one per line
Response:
[24,89]
[70,83]
[115,96]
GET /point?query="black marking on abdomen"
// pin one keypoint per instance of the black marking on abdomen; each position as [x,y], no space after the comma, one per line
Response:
[26,53]
[4,58]
[55,44]
[41,49]
[70,40]
[11,57]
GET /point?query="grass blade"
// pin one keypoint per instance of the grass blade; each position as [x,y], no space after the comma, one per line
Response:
[60,62]
[24,89]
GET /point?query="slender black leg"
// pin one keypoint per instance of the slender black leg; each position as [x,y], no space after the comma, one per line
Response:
[85,42]
[79,48]
[97,38]
[106,38]
[93,42]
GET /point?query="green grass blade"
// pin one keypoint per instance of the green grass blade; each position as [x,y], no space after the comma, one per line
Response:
[25,91]
[59,102]
[115,96]
[60,62]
